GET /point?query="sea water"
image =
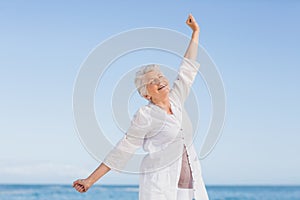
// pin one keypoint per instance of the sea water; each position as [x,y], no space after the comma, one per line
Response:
[130,192]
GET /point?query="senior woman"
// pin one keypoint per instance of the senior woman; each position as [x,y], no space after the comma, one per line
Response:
[171,170]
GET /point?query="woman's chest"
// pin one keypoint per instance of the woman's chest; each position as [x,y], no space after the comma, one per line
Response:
[165,126]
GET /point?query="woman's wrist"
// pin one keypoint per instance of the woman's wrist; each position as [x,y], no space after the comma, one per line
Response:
[196,31]
[195,36]
[89,181]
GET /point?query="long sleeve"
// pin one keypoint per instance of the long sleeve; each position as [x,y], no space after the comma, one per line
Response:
[186,75]
[131,141]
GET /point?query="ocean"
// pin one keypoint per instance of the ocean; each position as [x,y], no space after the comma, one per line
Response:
[130,192]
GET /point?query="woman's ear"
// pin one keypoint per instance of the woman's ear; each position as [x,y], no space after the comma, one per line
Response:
[147,97]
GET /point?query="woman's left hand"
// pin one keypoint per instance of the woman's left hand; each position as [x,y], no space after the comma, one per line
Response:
[191,22]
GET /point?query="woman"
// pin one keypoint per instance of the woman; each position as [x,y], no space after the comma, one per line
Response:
[171,170]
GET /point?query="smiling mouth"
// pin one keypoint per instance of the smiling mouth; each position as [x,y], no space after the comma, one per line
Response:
[161,87]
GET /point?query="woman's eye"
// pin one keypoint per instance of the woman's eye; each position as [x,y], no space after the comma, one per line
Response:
[152,82]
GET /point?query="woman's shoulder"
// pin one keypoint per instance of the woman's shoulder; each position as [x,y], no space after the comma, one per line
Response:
[142,117]
[174,98]
[145,109]
[143,112]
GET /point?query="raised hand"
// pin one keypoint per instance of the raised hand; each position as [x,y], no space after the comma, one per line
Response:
[191,22]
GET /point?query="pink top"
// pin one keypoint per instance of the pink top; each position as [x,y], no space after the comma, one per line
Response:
[186,179]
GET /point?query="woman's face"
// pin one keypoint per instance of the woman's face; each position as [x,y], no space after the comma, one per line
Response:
[157,85]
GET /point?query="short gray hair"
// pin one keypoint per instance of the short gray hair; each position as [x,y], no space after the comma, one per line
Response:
[139,80]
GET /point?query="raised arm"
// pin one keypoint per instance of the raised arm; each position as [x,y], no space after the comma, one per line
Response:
[189,66]
[192,50]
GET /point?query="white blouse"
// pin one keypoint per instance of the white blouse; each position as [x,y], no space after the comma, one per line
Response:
[164,137]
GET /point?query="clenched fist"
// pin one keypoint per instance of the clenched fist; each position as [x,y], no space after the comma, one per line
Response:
[191,22]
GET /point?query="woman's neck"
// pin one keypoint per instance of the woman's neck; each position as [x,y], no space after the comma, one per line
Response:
[164,104]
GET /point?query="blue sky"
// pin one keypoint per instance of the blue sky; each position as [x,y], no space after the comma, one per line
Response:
[255,45]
